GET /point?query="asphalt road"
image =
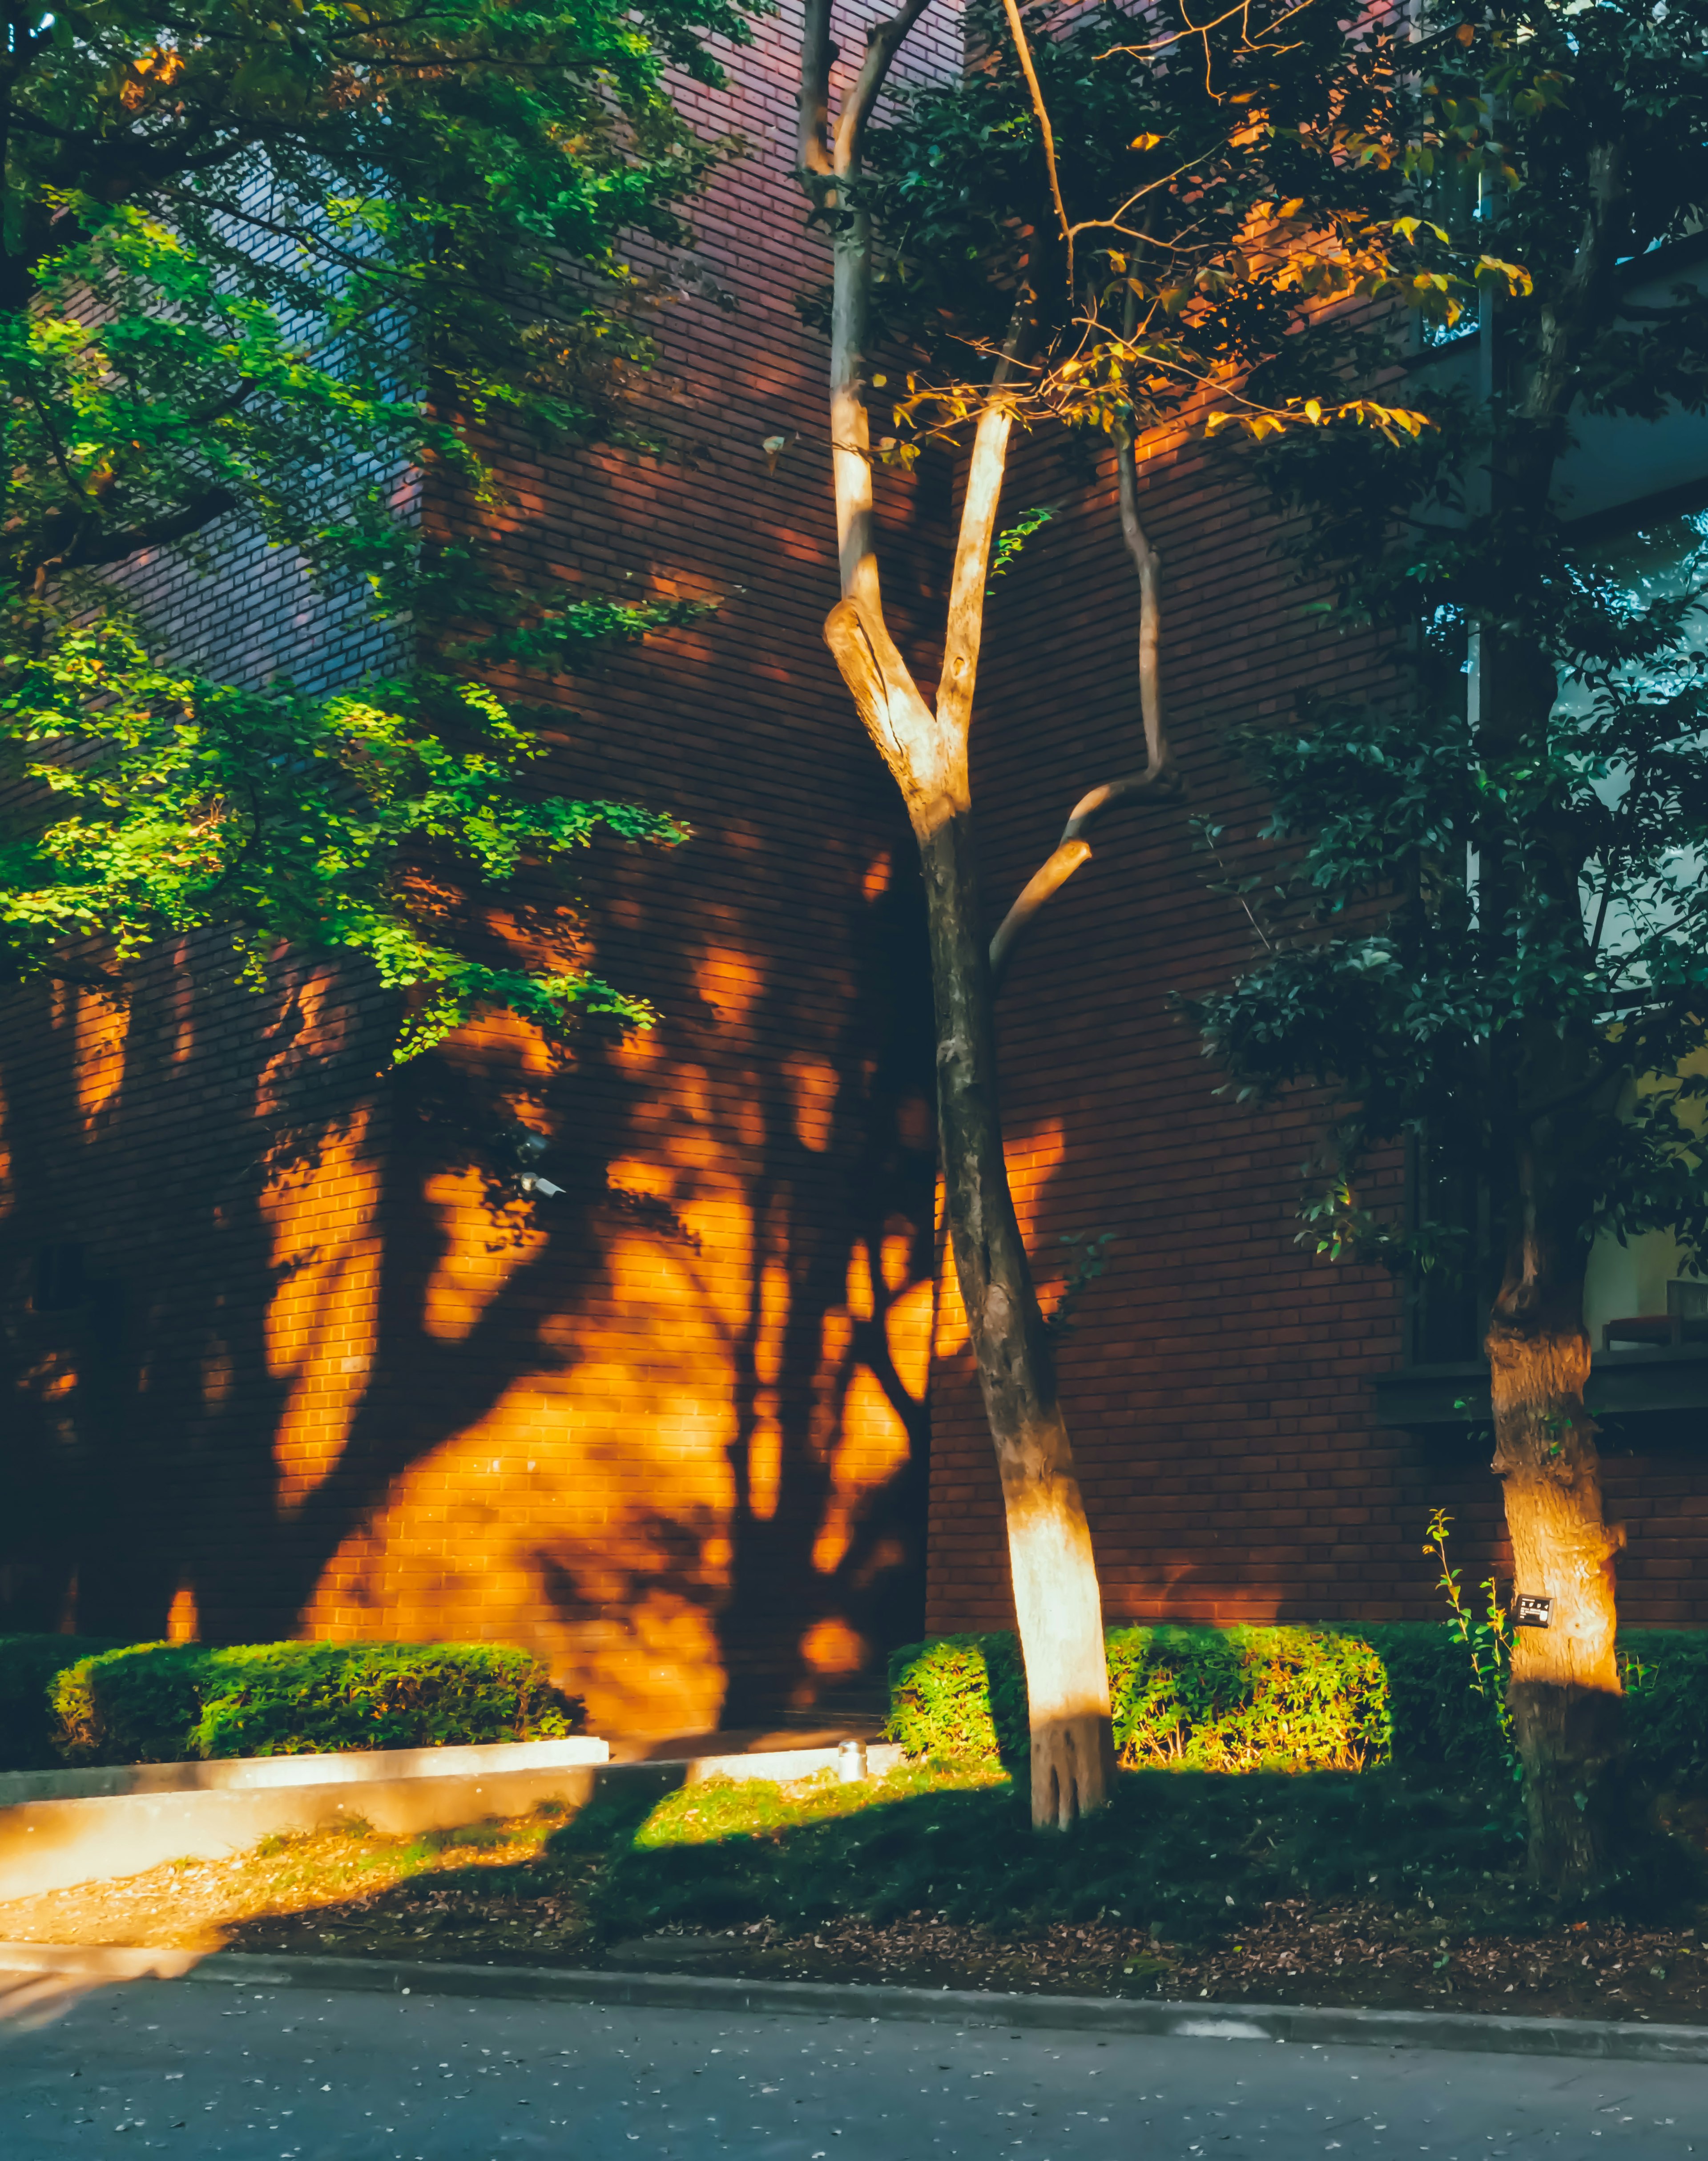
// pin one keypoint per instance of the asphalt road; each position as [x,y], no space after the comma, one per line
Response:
[291,2075]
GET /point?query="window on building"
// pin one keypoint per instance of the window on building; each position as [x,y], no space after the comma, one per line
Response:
[1638,1293]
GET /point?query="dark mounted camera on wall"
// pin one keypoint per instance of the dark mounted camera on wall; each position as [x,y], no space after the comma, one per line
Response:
[524,1148]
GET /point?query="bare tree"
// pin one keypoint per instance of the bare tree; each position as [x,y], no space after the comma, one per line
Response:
[925,745]
[1051,351]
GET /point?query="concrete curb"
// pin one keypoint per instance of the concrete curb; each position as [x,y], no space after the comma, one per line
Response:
[51,1844]
[354,1767]
[1459,2032]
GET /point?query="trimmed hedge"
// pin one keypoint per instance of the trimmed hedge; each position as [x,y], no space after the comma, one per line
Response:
[1205,1699]
[151,1703]
[1331,1697]
[29,1665]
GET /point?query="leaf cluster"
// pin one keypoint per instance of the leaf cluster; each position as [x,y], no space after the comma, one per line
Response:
[242,243]
[150,1703]
[1493,926]
[264,264]
[356,824]
[1217,196]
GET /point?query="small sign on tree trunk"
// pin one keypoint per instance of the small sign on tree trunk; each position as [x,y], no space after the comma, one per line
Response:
[1529,1612]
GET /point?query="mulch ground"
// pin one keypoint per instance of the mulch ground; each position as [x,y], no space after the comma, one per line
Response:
[359,1896]
[1298,1953]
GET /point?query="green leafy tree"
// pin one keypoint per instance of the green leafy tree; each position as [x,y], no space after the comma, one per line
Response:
[264,264]
[1498,942]
[1104,220]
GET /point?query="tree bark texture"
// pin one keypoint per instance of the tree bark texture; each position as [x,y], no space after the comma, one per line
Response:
[1552,1096]
[924,745]
[1564,1694]
[1056,1598]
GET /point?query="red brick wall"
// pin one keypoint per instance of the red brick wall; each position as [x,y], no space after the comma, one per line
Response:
[669,1426]
[1217,1381]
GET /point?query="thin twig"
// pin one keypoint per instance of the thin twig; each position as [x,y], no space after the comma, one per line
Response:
[1018,29]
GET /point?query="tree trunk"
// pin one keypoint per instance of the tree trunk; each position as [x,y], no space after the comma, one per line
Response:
[1056,1599]
[1565,1697]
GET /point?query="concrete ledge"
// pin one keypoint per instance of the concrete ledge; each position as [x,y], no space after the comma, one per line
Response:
[50,1844]
[1456,2031]
[244,1773]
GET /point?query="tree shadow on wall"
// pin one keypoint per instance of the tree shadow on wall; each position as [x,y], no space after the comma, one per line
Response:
[143,1147]
[235,1138]
[841,1232]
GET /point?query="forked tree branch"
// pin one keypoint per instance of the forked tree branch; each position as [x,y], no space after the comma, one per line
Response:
[963,630]
[883,41]
[813,132]
[828,151]
[1161,779]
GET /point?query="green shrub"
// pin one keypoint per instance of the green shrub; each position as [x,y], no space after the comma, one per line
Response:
[28,1665]
[154,1703]
[959,1696]
[1203,1698]
[1436,1713]
[1247,1698]
[1666,1684]
[1335,1697]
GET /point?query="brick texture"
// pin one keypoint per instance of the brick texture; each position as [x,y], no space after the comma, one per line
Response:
[334,1374]
[338,1378]
[1217,1377]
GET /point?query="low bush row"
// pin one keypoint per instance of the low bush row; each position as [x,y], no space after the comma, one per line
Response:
[67,1701]
[1299,1698]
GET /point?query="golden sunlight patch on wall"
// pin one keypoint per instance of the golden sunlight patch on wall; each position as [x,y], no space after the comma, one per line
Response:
[323,1316]
[877,1352]
[592,1513]
[483,1247]
[101,1023]
[812,1083]
[730,980]
[585,1516]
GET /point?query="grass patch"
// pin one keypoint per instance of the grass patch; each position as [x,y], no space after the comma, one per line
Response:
[344,1886]
[1375,1888]
[1189,1853]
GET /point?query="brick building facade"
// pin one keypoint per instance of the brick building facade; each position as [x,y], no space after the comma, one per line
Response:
[288,1350]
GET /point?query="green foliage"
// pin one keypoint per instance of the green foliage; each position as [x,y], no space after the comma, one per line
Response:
[154,1703]
[1439,1718]
[961,1698]
[1665,1672]
[1014,537]
[1419,1694]
[1482,924]
[1247,1698]
[356,818]
[1087,1257]
[28,1666]
[1213,208]
[1487,1637]
[1188,1852]
[261,267]
[1205,1699]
